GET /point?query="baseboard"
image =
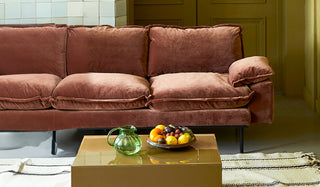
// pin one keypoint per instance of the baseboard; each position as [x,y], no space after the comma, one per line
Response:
[308,97]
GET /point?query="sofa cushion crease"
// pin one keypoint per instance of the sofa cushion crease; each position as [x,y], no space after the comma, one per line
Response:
[99,100]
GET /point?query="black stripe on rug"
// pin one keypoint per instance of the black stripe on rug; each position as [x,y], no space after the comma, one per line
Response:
[310,157]
[22,173]
[275,183]
[268,168]
[247,159]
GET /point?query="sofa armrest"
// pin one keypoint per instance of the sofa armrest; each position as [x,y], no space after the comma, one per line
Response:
[249,70]
[261,105]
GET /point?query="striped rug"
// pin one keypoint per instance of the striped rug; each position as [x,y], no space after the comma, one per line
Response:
[255,169]
[278,169]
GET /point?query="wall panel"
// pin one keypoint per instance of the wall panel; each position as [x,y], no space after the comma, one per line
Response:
[171,12]
[254,34]
[238,1]
[260,21]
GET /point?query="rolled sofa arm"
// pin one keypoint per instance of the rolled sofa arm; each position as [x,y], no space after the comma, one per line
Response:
[249,70]
[261,105]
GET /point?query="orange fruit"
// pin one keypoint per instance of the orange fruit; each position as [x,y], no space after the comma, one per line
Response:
[155,134]
[155,139]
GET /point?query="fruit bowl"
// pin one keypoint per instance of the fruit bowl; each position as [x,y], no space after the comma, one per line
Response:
[176,146]
[171,137]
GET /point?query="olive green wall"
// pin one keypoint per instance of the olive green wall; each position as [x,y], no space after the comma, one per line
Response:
[309,89]
[312,57]
[317,76]
[293,47]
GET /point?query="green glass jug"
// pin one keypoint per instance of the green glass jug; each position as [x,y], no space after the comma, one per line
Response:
[127,142]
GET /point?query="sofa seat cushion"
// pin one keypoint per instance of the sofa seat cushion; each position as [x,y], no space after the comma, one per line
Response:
[101,91]
[27,91]
[195,91]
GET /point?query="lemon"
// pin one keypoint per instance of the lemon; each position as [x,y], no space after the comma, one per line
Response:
[183,139]
[188,135]
[160,127]
[171,140]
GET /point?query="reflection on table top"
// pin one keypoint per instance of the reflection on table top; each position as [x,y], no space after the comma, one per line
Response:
[95,151]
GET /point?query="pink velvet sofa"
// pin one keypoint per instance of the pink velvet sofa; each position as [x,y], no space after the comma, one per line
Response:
[55,77]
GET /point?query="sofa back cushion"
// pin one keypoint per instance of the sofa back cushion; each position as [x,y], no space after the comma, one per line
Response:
[33,49]
[176,49]
[107,49]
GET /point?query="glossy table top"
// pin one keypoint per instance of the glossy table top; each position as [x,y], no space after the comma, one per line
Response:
[95,151]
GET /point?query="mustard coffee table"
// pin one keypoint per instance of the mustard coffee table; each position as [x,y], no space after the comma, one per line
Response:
[98,164]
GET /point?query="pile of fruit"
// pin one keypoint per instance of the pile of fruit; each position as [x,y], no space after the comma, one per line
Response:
[171,135]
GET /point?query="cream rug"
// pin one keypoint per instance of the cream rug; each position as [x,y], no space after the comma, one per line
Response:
[36,172]
[257,169]
[278,169]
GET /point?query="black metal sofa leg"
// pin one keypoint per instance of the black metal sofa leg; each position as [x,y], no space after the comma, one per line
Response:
[54,143]
[241,139]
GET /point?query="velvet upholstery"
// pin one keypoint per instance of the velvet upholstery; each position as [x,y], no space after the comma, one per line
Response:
[250,70]
[28,49]
[262,104]
[107,49]
[26,91]
[101,91]
[194,91]
[107,83]
[193,49]
[47,120]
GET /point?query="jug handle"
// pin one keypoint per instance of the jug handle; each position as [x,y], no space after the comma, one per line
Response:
[110,132]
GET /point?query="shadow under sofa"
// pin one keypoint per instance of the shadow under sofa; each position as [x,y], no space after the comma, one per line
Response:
[63,77]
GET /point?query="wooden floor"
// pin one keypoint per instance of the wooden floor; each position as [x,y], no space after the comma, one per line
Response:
[296,128]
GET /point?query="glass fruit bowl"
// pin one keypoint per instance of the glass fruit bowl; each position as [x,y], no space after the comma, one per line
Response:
[171,137]
[175,146]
